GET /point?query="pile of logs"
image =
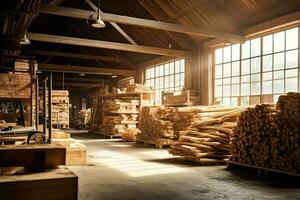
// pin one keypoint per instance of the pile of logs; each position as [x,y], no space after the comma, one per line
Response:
[207,140]
[269,136]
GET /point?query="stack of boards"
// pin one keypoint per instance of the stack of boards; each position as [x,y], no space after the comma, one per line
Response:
[207,139]
[269,136]
[75,151]
[119,115]
[60,108]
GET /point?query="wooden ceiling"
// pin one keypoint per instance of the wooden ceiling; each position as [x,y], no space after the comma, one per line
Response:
[220,15]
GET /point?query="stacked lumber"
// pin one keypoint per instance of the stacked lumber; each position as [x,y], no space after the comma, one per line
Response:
[186,97]
[118,116]
[137,88]
[154,124]
[268,136]
[14,86]
[207,139]
[76,152]
[60,108]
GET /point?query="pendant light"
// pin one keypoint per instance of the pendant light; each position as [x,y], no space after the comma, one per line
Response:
[98,23]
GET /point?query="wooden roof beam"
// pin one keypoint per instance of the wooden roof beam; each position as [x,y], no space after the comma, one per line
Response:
[116,26]
[76,55]
[179,28]
[106,45]
[84,69]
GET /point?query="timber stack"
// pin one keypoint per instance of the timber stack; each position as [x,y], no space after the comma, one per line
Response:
[118,116]
[273,140]
[60,108]
[207,140]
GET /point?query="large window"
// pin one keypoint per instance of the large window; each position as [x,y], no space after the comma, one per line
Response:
[166,77]
[258,70]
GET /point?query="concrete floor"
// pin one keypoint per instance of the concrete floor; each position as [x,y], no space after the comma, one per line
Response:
[118,170]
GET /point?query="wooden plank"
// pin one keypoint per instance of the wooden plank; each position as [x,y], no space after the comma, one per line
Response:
[84,69]
[106,45]
[179,28]
[76,55]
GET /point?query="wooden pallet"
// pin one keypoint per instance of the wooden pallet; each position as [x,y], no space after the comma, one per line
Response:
[159,145]
[261,171]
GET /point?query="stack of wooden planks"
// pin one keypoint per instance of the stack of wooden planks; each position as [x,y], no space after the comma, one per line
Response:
[15,85]
[118,116]
[207,139]
[186,97]
[60,108]
[268,135]
[137,88]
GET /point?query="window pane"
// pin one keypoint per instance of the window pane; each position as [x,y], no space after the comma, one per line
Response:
[279,41]
[255,77]
[156,71]
[218,56]
[235,80]
[268,44]
[182,65]
[161,70]
[218,82]
[246,66]
[267,63]
[172,68]
[226,101]
[177,66]
[246,49]
[226,81]
[255,88]
[235,52]
[292,38]
[172,81]
[267,76]
[235,67]
[227,70]
[226,90]
[167,69]
[234,101]
[255,65]
[177,80]
[278,74]
[245,79]
[279,86]
[152,72]
[255,47]
[245,89]
[218,91]
[218,71]
[278,61]
[291,59]
[235,90]
[167,81]
[245,101]
[182,79]
[291,85]
[267,87]
[291,73]
[227,54]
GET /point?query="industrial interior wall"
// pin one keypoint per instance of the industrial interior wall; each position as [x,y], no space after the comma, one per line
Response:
[199,74]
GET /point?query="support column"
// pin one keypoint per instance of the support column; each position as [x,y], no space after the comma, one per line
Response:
[50,107]
[44,107]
